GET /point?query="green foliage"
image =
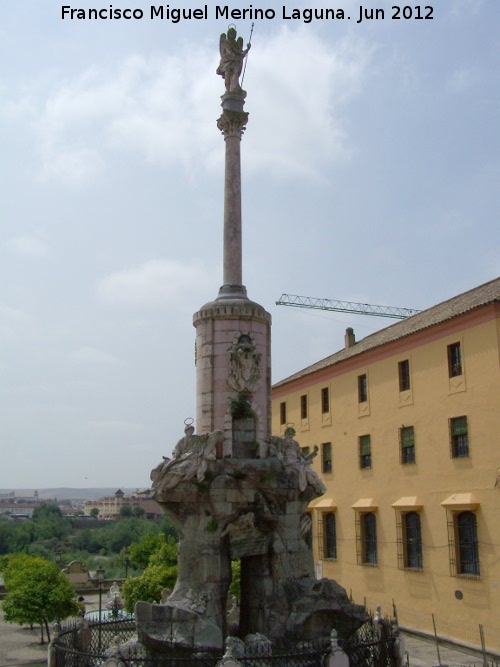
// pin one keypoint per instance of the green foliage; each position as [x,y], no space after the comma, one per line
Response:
[138,512]
[126,511]
[140,552]
[235,586]
[148,586]
[37,592]
[239,407]
[166,554]
[94,512]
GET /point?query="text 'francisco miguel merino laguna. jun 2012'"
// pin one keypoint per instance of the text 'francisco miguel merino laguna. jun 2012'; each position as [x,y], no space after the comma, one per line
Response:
[357,13]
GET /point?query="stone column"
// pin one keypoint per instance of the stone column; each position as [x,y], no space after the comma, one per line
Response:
[232,125]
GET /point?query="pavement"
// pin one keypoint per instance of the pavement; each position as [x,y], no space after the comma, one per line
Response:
[21,646]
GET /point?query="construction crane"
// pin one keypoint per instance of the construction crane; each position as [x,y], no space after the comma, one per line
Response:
[345,306]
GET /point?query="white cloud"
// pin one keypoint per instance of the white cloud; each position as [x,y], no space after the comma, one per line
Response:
[153,282]
[164,109]
[303,82]
[28,246]
[92,355]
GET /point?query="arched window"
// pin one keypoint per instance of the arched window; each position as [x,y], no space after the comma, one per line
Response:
[369,538]
[413,541]
[330,535]
[467,552]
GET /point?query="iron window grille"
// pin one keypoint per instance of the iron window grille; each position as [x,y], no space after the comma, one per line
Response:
[326,457]
[325,400]
[404,375]
[409,541]
[283,413]
[365,451]
[459,437]
[303,406]
[463,544]
[366,539]
[407,444]
[454,360]
[327,536]
[362,388]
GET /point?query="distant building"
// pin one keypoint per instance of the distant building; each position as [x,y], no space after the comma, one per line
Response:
[407,421]
[110,507]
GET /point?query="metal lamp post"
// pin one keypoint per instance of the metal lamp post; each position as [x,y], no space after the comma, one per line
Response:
[100,579]
[58,556]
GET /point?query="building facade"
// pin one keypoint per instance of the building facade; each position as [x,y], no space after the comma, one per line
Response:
[407,423]
[110,507]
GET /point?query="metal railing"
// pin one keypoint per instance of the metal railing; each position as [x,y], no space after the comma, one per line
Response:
[91,644]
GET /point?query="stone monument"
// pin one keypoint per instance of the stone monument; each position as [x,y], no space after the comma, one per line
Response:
[235,491]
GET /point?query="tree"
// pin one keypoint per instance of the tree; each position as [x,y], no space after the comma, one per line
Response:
[138,512]
[94,512]
[149,585]
[126,511]
[37,592]
[141,552]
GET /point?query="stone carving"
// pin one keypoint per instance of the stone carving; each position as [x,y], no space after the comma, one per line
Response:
[251,509]
[232,55]
[288,450]
[244,365]
[189,459]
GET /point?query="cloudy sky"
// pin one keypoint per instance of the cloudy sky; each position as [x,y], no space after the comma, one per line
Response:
[370,173]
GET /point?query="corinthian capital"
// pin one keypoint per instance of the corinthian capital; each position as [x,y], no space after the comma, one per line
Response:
[232,123]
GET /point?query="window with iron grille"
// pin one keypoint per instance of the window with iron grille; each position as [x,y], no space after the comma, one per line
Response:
[463,544]
[366,538]
[404,375]
[407,444]
[326,457]
[365,451]
[362,389]
[325,400]
[303,406]
[330,535]
[283,413]
[454,360]
[412,537]
[459,437]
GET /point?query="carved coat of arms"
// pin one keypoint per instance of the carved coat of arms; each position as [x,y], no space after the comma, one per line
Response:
[244,365]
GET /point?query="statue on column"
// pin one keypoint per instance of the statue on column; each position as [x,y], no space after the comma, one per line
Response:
[232,55]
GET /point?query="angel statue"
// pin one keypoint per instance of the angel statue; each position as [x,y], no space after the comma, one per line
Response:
[232,55]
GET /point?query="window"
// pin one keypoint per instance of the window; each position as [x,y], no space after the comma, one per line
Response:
[365,452]
[325,400]
[283,413]
[329,536]
[407,444]
[303,406]
[326,457]
[366,538]
[459,437]
[362,389]
[468,552]
[463,543]
[412,541]
[404,375]
[454,360]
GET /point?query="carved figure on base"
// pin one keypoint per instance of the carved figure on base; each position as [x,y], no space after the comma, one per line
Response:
[189,459]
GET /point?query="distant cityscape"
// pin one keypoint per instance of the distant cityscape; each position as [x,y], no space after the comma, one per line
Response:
[96,503]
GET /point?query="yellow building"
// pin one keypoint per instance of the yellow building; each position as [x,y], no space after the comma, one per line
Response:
[407,422]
